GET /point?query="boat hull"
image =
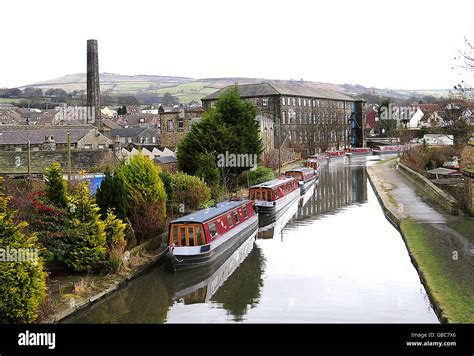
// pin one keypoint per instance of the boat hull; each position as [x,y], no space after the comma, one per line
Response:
[177,261]
[274,207]
[306,185]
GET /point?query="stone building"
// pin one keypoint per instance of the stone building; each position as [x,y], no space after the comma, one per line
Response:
[306,118]
[139,137]
[16,138]
[266,133]
[174,124]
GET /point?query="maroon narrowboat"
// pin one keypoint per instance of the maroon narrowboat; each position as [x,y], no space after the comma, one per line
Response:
[330,155]
[200,238]
[272,196]
[306,177]
[359,151]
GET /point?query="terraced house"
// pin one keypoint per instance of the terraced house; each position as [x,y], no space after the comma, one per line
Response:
[307,119]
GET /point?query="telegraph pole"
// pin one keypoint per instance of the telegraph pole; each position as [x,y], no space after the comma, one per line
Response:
[69,156]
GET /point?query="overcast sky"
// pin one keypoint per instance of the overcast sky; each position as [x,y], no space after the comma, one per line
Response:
[385,44]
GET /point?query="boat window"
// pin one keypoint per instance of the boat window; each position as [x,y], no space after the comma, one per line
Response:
[244,211]
[229,220]
[192,240]
[212,229]
[252,194]
[199,235]
[174,235]
[236,217]
[182,235]
[258,194]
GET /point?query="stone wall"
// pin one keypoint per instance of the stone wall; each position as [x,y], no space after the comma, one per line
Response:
[430,190]
[17,162]
[469,188]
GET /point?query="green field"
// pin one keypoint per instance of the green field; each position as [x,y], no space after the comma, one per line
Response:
[8,100]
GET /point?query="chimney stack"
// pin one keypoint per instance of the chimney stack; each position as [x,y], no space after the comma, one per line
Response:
[93,84]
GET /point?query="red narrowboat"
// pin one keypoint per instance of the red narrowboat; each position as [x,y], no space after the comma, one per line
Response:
[306,177]
[358,151]
[200,238]
[274,195]
[382,150]
[331,155]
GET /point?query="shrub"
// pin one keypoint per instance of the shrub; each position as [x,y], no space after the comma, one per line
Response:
[167,180]
[22,284]
[191,190]
[114,231]
[112,194]
[86,239]
[55,186]
[146,195]
[142,180]
[259,175]
[147,221]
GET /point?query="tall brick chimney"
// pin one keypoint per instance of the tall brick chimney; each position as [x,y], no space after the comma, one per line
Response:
[93,84]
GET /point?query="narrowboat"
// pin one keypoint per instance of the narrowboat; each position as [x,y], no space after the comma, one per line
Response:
[306,177]
[331,155]
[200,238]
[358,151]
[312,163]
[382,150]
[273,196]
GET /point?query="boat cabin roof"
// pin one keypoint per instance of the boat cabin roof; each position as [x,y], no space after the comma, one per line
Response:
[274,183]
[207,214]
[300,170]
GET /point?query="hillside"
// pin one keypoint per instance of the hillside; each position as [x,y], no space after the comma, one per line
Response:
[188,89]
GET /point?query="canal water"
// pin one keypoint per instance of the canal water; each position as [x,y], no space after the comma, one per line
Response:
[332,257]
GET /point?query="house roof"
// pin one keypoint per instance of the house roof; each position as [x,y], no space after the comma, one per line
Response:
[274,183]
[110,124]
[36,135]
[267,89]
[165,160]
[128,132]
[212,212]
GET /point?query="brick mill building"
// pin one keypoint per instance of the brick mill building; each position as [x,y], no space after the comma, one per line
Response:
[307,119]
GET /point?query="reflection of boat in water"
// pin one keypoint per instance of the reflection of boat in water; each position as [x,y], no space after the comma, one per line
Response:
[269,228]
[199,285]
[308,194]
[201,237]
[306,177]
[383,150]
[359,151]
[273,196]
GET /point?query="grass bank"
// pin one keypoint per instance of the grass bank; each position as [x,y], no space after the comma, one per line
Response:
[449,280]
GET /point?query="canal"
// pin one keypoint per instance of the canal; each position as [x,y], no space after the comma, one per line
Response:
[330,258]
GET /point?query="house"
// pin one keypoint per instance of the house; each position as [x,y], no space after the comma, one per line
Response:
[138,120]
[154,110]
[40,138]
[135,136]
[311,119]
[176,123]
[438,139]
[167,163]
[108,112]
